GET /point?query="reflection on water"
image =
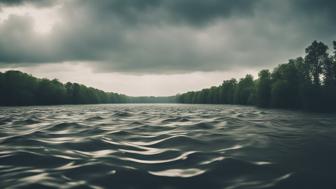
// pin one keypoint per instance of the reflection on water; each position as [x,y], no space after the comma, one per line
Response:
[178,172]
[165,146]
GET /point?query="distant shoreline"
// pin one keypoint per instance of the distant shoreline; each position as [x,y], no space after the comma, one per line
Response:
[307,84]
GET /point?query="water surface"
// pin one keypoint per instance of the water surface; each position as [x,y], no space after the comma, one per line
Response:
[166,146]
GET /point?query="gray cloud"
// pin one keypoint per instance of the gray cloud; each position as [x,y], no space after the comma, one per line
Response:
[40,3]
[184,11]
[170,36]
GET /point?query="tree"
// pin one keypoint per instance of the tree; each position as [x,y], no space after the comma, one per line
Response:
[213,95]
[263,94]
[244,93]
[316,54]
[18,88]
[286,79]
[328,70]
[227,91]
[50,92]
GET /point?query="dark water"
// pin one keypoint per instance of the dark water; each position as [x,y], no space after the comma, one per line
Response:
[166,146]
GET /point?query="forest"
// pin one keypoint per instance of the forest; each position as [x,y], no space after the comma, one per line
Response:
[304,83]
[19,89]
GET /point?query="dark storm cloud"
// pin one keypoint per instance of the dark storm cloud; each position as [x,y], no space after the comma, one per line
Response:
[32,2]
[321,14]
[321,7]
[163,36]
[190,11]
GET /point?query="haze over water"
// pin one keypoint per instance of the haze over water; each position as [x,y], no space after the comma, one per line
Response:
[165,146]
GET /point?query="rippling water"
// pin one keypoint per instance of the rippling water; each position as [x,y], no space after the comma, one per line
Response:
[166,146]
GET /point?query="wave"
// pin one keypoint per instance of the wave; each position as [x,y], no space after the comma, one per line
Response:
[165,146]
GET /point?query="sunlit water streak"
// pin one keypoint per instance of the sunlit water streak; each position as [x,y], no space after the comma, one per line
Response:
[165,146]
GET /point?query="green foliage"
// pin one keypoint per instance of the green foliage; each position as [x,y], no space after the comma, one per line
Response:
[230,92]
[307,84]
[315,58]
[227,91]
[286,83]
[245,91]
[18,89]
[264,85]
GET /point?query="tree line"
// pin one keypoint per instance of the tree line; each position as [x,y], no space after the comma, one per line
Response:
[19,89]
[305,83]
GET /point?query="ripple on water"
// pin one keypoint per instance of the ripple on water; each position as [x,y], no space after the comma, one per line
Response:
[165,146]
[183,173]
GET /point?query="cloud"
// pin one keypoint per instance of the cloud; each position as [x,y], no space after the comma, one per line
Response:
[170,36]
[185,11]
[40,3]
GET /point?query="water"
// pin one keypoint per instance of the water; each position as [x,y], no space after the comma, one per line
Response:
[166,146]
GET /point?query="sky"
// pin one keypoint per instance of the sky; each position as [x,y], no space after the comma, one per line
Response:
[158,47]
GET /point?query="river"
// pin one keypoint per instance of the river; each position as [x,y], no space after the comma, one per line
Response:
[166,146]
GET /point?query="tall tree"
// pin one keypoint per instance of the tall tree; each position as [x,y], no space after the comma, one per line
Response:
[245,89]
[328,70]
[228,90]
[264,88]
[316,54]
[286,81]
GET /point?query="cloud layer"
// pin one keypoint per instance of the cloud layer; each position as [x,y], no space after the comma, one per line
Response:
[167,36]
[40,3]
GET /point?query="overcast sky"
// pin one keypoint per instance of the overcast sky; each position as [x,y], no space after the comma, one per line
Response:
[157,47]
